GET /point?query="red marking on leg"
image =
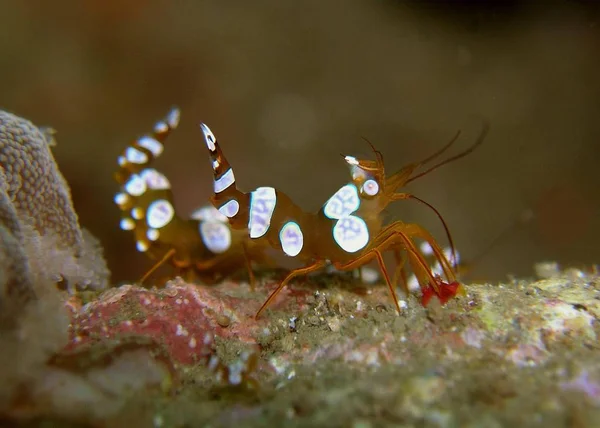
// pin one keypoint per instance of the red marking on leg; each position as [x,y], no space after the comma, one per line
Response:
[445,292]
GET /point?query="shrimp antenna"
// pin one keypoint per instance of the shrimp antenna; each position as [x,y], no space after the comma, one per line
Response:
[480,139]
[378,154]
[399,196]
[448,234]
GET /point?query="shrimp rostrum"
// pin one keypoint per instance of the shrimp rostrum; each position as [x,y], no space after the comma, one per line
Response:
[202,245]
[348,230]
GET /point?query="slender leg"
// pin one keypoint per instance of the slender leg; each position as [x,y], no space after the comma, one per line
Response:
[414,230]
[162,261]
[400,272]
[391,237]
[296,272]
[384,272]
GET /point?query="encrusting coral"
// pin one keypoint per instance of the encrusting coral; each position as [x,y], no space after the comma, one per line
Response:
[39,210]
[16,283]
[41,244]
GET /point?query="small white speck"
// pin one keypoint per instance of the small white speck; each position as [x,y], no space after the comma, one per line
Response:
[142,246]
[128,323]
[160,127]
[213,362]
[351,160]
[121,198]
[178,301]
[158,421]
[402,304]
[235,377]
[137,213]
[291,374]
[186,301]
[208,338]
[127,224]
[146,301]
[152,234]
[192,343]
[179,330]
[369,275]
[173,118]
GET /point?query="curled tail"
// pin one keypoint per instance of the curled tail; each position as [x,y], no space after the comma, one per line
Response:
[145,197]
[140,154]
[227,198]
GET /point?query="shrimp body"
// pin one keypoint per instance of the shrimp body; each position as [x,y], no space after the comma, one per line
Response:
[203,244]
[348,230]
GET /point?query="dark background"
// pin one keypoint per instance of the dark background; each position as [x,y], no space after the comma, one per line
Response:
[288,86]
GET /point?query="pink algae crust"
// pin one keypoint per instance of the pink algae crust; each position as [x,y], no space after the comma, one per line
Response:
[184,318]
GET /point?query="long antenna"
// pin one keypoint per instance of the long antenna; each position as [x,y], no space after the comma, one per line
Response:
[480,139]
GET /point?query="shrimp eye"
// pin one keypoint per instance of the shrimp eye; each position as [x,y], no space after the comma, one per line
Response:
[370,187]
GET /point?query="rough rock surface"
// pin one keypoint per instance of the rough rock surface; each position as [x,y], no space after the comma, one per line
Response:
[333,353]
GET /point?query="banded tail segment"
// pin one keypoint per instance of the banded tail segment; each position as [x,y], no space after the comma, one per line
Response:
[230,201]
[145,197]
[140,154]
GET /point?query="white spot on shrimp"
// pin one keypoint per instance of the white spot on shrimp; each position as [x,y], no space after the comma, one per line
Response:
[426,248]
[235,375]
[155,180]
[137,213]
[343,202]
[136,156]
[230,208]
[262,206]
[142,246]
[209,213]
[135,186]
[224,181]
[152,234]
[121,198]
[291,239]
[159,214]
[213,362]
[192,343]
[351,160]
[351,233]
[161,127]
[173,117]
[127,224]
[215,235]
[209,137]
[151,144]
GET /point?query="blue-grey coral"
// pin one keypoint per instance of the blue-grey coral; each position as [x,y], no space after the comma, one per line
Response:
[37,213]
